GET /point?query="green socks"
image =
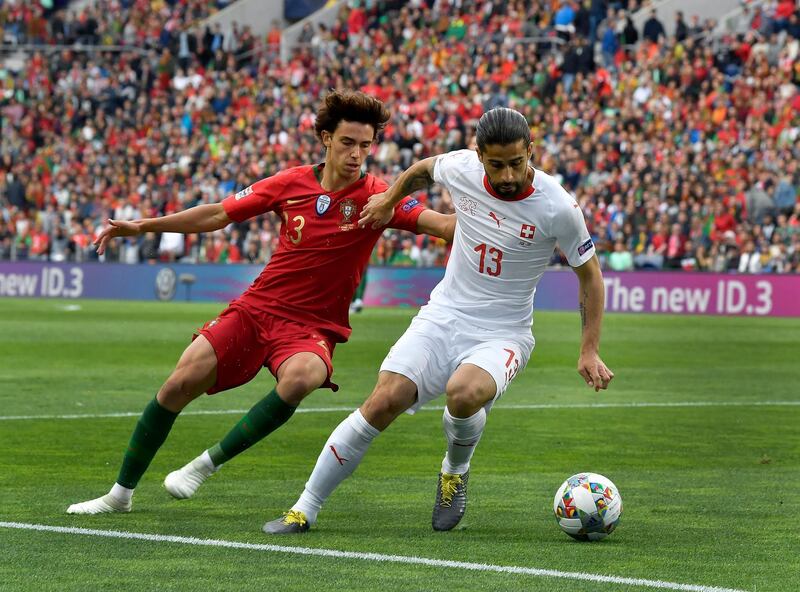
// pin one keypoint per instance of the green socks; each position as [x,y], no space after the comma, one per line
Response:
[151,431]
[362,287]
[154,425]
[265,417]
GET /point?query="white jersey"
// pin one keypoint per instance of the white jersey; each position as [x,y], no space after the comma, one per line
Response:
[502,246]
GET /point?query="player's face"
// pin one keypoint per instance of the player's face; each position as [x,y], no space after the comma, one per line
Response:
[506,166]
[348,147]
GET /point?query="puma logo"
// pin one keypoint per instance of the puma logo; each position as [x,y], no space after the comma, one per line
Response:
[494,217]
[341,459]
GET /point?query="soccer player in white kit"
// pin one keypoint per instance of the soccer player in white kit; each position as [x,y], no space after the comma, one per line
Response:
[474,335]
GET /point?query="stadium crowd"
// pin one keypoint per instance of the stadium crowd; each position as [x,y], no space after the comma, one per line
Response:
[681,150]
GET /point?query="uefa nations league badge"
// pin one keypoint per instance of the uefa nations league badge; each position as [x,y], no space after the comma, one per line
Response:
[323,203]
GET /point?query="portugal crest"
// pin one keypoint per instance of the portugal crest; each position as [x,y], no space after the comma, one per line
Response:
[348,209]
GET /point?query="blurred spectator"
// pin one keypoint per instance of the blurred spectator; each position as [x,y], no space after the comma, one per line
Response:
[630,36]
[274,37]
[621,259]
[653,30]
[759,202]
[253,252]
[171,246]
[406,256]
[681,29]
[59,249]
[565,20]
[676,247]
[786,190]
[750,259]
[148,250]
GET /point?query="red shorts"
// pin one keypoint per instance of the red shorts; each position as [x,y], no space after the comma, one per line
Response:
[244,342]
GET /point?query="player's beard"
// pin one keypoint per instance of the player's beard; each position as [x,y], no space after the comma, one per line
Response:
[507,189]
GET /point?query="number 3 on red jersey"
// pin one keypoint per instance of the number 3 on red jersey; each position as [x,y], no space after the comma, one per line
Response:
[494,264]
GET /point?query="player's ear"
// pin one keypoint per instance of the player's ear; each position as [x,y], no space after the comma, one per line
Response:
[327,139]
[530,150]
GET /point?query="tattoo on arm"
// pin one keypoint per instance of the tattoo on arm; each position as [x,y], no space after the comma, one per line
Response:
[414,181]
[582,307]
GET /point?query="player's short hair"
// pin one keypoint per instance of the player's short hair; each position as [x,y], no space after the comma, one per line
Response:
[502,126]
[346,105]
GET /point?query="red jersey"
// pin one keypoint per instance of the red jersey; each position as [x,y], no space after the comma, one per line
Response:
[322,253]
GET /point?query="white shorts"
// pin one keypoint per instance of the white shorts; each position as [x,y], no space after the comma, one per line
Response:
[435,345]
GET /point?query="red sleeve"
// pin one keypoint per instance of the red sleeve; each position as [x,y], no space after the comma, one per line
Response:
[406,214]
[261,197]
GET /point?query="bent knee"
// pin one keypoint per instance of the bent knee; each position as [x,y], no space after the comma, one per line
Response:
[195,373]
[465,399]
[300,380]
[294,389]
[384,403]
[392,396]
[179,390]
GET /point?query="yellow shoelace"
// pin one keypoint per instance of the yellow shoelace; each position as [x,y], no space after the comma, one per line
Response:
[294,517]
[449,484]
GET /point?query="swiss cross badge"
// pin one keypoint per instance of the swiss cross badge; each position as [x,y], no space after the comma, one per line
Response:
[527,231]
[348,210]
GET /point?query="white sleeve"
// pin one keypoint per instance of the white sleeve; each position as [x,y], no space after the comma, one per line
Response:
[571,233]
[447,165]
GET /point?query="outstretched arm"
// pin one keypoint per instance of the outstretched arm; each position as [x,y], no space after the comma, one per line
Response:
[436,224]
[202,218]
[591,299]
[380,208]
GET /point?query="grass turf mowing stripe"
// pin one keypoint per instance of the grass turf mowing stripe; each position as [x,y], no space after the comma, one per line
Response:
[435,408]
[464,565]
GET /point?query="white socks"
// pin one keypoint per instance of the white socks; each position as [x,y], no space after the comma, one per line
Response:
[350,440]
[206,458]
[463,435]
[339,458]
[121,493]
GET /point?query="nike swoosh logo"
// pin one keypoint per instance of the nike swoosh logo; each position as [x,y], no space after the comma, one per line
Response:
[293,201]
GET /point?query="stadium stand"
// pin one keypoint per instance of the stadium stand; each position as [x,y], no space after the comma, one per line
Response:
[681,149]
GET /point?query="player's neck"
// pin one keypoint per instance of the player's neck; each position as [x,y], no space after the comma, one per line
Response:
[331,181]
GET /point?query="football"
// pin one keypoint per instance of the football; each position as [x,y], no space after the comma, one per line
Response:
[587,506]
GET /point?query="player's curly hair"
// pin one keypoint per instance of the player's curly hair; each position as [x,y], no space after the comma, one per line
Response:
[502,126]
[347,105]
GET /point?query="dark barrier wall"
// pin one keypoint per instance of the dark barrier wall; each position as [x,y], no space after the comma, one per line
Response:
[658,292]
[294,10]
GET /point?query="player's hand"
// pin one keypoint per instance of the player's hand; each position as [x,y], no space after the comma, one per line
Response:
[114,229]
[378,212]
[594,371]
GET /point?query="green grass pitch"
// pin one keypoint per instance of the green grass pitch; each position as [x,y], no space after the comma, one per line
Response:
[711,491]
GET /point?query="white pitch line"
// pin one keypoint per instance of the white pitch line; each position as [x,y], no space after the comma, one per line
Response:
[631,405]
[464,565]
[138,413]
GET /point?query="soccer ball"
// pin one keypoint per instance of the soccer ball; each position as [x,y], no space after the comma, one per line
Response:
[587,506]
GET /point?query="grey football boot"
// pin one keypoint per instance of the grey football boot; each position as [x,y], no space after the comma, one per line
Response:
[292,522]
[451,501]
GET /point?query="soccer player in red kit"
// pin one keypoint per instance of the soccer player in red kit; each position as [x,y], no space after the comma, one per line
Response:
[294,313]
